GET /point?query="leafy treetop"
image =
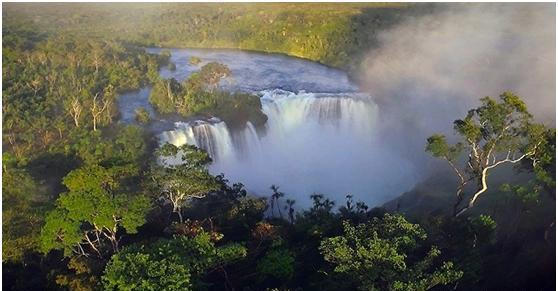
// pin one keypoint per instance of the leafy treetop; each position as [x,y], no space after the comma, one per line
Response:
[496,133]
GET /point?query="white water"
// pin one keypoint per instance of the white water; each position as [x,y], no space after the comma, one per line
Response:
[324,143]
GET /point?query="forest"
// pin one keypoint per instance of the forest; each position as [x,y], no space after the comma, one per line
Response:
[333,34]
[89,203]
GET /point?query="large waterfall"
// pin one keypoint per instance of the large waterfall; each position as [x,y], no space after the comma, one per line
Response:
[312,142]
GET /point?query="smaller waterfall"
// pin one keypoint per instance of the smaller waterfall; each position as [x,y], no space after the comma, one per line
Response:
[213,137]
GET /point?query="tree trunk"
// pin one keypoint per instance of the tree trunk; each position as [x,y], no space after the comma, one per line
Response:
[178,210]
[279,209]
[484,187]
[96,110]
[92,245]
[75,111]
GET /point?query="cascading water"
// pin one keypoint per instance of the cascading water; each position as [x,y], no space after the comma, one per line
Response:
[213,137]
[312,142]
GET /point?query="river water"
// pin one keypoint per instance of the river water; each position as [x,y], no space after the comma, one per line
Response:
[320,136]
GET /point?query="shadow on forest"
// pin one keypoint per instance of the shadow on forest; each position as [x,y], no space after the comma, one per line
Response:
[51,169]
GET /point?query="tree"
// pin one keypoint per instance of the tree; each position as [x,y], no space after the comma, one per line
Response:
[165,94]
[124,150]
[182,181]
[97,59]
[544,169]
[382,255]
[275,199]
[544,181]
[142,115]
[208,77]
[101,103]
[277,263]
[198,95]
[194,60]
[92,214]
[21,213]
[289,207]
[494,134]
[129,270]
[81,275]
[75,108]
[174,264]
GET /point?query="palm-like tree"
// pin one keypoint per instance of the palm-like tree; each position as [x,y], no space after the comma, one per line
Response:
[275,199]
[289,206]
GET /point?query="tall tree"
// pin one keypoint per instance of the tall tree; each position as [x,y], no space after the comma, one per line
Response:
[101,103]
[182,175]
[381,255]
[497,133]
[290,208]
[90,218]
[168,264]
[275,199]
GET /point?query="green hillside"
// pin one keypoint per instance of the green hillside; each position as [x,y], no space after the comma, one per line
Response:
[333,34]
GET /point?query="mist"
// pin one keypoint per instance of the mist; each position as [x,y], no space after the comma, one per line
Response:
[429,70]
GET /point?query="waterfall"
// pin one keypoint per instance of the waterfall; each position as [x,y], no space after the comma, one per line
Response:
[312,142]
[213,137]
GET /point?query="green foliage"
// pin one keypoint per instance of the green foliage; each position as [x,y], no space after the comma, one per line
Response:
[484,227]
[163,94]
[543,165]
[208,77]
[125,148]
[142,115]
[194,60]
[319,221]
[492,122]
[334,34]
[63,85]
[191,155]
[81,276]
[439,148]
[277,263]
[496,133]
[21,213]
[198,96]
[467,242]
[445,275]
[180,182]
[62,70]
[378,256]
[93,209]
[140,271]
[168,264]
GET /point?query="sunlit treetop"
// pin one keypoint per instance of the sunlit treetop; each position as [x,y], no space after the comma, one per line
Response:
[496,133]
